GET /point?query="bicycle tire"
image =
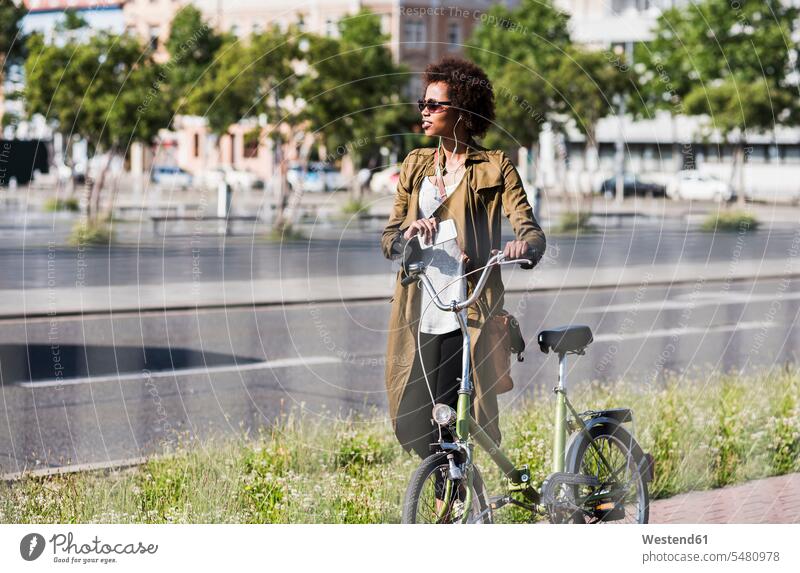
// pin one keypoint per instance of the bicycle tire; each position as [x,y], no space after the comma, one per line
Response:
[417,489]
[616,437]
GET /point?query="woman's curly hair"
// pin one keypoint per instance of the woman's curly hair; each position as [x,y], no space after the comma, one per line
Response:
[469,89]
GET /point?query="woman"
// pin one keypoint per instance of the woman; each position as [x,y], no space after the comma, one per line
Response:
[479,185]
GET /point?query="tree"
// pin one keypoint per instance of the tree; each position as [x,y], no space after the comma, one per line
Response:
[192,45]
[732,63]
[249,78]
[520,50]
[105,89]
[351,94]
[11,14]
[589,83]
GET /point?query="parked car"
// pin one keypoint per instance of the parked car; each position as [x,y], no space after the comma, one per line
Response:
[311,182]
[632,185]
[237,179]
[385,181]
[692,184]
[172,176]
[319,177]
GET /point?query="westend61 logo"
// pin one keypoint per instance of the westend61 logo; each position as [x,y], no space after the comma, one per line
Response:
[66,550]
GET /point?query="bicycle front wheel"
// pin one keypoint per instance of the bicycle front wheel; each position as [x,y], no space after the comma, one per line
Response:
[432,497]
[622,496]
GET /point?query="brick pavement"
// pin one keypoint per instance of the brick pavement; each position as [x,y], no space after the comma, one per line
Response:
[770,500]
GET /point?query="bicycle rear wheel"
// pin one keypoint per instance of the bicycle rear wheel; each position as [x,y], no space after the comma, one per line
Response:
[432,497]
[622,496]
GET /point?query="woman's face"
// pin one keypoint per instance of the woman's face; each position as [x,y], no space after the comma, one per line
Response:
[442,120]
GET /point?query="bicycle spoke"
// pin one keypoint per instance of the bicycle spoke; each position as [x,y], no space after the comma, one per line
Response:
[613,466]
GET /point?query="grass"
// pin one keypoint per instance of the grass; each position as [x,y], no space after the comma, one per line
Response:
[84,233]
[287,233]
[354,207]
[702,432]
[729,221]
[574,222]
[56,204]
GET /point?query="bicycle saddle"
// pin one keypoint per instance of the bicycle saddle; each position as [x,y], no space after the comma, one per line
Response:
[563,339]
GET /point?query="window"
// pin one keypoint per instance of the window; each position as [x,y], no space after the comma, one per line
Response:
[414,31]
[413,89]
[251,145]
[790,153]
[453,35]
[196,145]
[619,7]
[331,28]
[154,32]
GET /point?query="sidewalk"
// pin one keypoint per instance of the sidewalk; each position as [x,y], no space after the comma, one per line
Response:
[770,500]
[374,287]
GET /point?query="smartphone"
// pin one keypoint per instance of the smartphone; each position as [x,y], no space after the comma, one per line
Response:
[446,231]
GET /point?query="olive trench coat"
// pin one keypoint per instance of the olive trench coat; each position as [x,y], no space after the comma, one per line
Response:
[491,186]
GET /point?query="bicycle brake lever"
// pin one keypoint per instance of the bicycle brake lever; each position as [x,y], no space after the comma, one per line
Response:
[408,280]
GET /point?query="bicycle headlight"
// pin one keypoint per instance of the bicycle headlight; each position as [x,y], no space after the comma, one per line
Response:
[444,415]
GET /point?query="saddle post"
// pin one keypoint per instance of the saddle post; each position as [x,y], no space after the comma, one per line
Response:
[560,430]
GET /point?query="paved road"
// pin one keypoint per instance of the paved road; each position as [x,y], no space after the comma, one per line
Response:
[208,371]
[771,500]
[335,251]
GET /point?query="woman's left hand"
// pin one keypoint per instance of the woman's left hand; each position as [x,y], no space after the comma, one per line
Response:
[515,249]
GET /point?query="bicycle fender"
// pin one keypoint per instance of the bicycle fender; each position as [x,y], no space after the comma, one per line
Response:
[643,461]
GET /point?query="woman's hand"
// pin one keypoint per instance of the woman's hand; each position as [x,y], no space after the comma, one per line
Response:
[515,249]
[425,227]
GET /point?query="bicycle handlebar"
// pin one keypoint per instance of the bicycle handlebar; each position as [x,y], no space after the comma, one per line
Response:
[417,272]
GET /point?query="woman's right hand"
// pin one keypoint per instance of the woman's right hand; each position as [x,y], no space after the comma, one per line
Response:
[424,227]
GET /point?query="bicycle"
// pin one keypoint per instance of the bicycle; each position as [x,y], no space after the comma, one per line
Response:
[599,475]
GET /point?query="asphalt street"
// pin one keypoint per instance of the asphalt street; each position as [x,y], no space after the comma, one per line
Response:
[123,385]
[344,251]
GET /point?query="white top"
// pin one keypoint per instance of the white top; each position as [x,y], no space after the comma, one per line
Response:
[443,264]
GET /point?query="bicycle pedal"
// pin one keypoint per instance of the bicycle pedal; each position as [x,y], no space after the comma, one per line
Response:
[498,501]
[551,484]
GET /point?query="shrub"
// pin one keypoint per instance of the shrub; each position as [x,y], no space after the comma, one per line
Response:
[355,207]
[90,234]
[287,233]
[574,222]
[739,221]
[56,204]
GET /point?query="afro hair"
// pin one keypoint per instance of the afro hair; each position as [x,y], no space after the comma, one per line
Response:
[469,90]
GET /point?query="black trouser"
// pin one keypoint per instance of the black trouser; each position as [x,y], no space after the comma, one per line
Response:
[441,356]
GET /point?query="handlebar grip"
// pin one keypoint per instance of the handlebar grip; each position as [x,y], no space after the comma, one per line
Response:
[408,280]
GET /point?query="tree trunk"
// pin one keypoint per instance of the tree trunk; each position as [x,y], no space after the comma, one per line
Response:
[736,169]
[97,186]
[279,224]
[2,92]
[591,165]
[355,186]
[297,194]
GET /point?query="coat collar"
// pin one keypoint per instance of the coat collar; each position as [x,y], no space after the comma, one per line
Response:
[475,153]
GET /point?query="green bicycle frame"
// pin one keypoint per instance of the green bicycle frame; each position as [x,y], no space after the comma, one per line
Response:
[560,419]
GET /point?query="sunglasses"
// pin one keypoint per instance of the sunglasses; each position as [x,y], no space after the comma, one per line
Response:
[432,105]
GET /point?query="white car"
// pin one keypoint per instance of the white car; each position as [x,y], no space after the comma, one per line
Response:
[385,181]
[694,185]
[171,176]
[238,180]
